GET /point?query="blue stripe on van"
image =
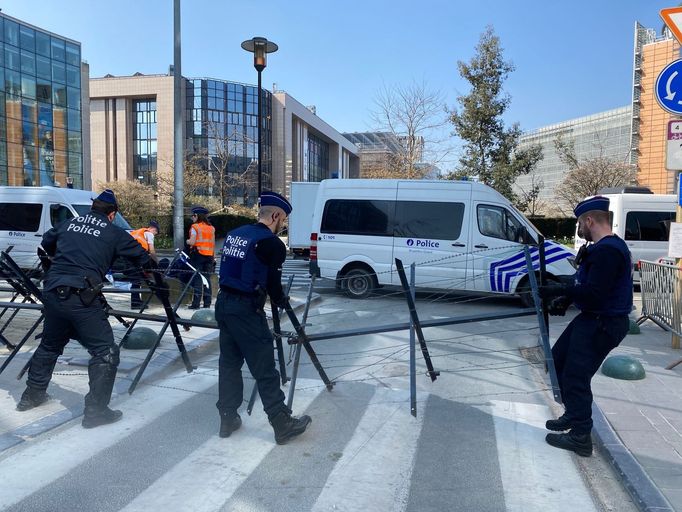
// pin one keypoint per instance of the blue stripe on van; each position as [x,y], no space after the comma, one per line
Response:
[502,272]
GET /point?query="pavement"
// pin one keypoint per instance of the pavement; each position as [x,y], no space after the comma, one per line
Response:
[638,424]
[70,383]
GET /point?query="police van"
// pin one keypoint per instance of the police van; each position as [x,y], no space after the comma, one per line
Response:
[27,212]
[642,219]
[462,235]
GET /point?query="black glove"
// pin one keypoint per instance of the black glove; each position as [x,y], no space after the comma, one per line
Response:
[558,306]
[281,302]
[550,291]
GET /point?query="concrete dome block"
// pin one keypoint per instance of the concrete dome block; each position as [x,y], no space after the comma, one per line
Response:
[140,338]
[204,315]
[623,367]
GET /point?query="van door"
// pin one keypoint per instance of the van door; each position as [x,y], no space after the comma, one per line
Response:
[497,254]
[431,231]
[21,227]
[646,233]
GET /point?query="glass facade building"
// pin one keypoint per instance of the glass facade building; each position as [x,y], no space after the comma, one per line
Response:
[222,120]
[40,107]
[606,134]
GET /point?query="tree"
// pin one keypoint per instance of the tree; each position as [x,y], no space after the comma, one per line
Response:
[413,117]
[588,176]
[196,181]
[491,152]
[139,203]
[529,200]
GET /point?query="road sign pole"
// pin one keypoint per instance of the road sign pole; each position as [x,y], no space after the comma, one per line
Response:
[675,342]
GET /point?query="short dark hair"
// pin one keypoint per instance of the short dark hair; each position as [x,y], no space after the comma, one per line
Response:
[102,207]
[202,217]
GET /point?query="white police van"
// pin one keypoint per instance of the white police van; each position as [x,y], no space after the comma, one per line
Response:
[461,235]
[27,212]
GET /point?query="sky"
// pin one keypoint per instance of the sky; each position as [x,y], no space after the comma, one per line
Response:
[572,58]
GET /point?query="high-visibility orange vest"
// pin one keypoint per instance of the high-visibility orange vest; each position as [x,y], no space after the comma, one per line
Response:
[138,235]
[205,240]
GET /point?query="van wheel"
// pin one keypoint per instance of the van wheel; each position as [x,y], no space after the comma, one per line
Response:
[359,283]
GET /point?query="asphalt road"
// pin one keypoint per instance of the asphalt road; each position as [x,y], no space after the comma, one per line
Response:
[476,444]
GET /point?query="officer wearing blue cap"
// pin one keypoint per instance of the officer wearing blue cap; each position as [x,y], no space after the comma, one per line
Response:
[602,292]
[82,250]
[250,268]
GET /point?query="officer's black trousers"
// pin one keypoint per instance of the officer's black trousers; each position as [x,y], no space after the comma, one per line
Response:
[578,354]
[66,319]
[203,264]
[245,335]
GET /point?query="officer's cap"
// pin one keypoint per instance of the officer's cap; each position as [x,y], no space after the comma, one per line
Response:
[590,204]
[199,210]
[268,198]
[154,224]
[107,196]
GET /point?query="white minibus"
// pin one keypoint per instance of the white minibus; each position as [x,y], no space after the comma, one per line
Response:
[462,235]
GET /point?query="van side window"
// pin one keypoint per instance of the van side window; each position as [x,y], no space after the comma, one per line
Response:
[59,213]
[20,216]
[358,217]
[497,222]
[421,219]
[648,226]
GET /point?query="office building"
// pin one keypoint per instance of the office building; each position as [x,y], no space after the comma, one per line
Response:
[132,135]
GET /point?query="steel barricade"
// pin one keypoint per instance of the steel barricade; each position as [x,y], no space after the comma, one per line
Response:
[661,287]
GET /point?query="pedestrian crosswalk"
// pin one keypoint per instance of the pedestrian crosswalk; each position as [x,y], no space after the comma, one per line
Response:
[363,451]
[299,269]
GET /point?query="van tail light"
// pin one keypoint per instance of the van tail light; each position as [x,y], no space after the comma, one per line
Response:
[637,266]
[313,246]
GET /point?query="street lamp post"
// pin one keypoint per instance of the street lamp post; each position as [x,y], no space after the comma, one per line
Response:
[260,47]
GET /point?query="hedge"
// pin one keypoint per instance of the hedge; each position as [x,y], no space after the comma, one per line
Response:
[222,222]
[555,228]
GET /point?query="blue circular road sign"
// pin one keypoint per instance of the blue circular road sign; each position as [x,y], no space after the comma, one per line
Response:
[669,88]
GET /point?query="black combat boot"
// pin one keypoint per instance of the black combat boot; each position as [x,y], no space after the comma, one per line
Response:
[31,398]
[97,412]
[287,426]
[578,443]
[229,422]
[560,424]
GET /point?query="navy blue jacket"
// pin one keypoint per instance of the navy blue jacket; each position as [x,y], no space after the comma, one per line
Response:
[87,246]
[603,283]
[252,258]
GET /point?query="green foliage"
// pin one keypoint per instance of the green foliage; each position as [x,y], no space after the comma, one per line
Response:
[490,149]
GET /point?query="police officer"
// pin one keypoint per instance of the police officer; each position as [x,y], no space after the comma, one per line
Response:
[250,268]
[83,250]
[201,244]
[144,237]
[603,293]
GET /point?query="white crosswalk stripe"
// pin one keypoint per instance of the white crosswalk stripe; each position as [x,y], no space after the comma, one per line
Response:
[375,467]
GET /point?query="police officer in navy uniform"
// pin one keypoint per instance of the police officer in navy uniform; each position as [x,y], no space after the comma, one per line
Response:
[250,268]
[603,293]
[82,250]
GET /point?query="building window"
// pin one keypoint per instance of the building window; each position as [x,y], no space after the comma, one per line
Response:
[144,141]
[318,159]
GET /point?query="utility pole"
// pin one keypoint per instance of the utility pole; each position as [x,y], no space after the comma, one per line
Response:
[179,153]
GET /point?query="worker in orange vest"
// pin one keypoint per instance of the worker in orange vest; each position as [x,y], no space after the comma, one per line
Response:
[201,244]
[145,237]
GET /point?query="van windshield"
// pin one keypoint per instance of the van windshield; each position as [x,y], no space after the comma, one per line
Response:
[119,220]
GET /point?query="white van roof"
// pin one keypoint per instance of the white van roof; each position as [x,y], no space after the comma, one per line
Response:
[393,183]
[66,195]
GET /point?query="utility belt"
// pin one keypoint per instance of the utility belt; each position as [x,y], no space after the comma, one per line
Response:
[257,297]
[86,295]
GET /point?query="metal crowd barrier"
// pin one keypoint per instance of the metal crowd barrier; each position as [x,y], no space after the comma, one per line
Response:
[661,287]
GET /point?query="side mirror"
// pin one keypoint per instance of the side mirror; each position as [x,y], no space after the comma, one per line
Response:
[525,237]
